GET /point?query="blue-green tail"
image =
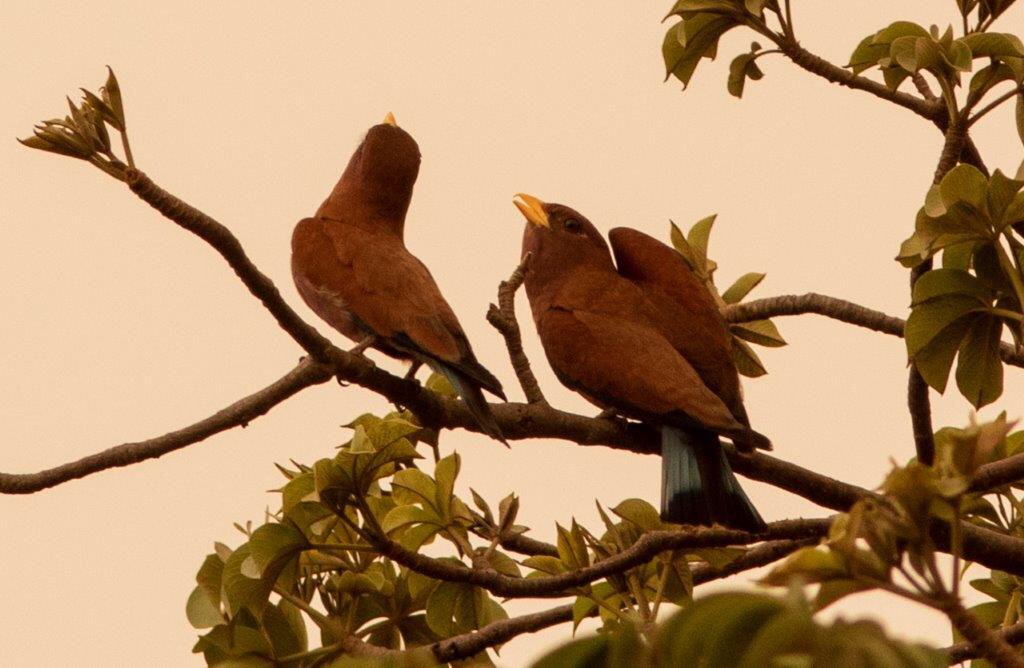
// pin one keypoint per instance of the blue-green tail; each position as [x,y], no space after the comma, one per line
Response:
[698,485]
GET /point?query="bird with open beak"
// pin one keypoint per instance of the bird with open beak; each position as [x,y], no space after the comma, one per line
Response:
[351,266]
[645,340]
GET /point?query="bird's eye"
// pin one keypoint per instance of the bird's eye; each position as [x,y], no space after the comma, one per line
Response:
[573,225]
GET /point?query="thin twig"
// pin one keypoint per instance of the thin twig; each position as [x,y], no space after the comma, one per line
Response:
[503,318]
[240,413]
[1019,90]
[989,643]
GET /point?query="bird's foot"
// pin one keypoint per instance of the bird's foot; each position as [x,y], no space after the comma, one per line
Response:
[361,347]
[607,414]
[413,368]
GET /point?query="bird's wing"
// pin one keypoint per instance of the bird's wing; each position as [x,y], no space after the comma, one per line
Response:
[682,308]
[625,363]
[391,293]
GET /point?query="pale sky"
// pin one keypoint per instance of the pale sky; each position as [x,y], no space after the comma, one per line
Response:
[120,326]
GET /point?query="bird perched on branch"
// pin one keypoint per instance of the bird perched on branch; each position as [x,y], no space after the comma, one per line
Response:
[647,341]
[351,266]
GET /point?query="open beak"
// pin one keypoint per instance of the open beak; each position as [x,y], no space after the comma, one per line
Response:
[532,208]
[390,119]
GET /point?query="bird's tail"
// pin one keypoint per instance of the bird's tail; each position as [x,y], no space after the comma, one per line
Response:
[470,392]
[698,486]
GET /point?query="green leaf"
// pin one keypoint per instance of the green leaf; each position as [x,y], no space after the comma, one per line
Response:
[746,360]
[201,611]
[690,40]
[979,371]
[761,332]
[741,68]
[742,287]
[834,590]
[811,564]
[361,443]
[112,96]
[274,542]
[682,246]
[867,54]
[963,183]
[993,45]
[582,653]
[241,590]
[445,473]
[414,486]
[929,319]
[441,385]
[1020,116]
[943,282]
[699,235]
[639,513]
[898,29]
[935,360]
[401,516]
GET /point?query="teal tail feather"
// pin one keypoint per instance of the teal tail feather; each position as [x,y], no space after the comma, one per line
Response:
[698,485]
[470,392]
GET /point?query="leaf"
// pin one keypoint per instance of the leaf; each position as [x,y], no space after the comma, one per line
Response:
[761,332]
[741,68]
[746,360]
[401,516]
[361,443]
[112,96]
[935,359]
[1020,116]
[639,513]
[272,543]
[201,611]
[441,385]
[834,590]
[929,319]
[963,183]
[699,235]
[979,371]
[993,45]
[576,654]
[867,54]
[943,282]
[410,486]
[690,40]
[742,287]
[719,557]
[811,564]
[445,473]
[898,29]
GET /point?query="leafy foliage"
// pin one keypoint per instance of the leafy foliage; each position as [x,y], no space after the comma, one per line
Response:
[693,246]
[747,630]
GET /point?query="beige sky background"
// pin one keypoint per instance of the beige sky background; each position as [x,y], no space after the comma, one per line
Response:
[118,326]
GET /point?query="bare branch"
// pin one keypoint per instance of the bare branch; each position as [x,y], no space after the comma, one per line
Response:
[225,243]
[503,318]
[837,309]
[964,651]
[237,414]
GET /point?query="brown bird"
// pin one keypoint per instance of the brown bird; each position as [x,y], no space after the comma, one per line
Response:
[352,268]
[645,340]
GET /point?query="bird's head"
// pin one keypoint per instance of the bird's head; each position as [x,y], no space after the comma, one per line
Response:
[559,238]
[380,176]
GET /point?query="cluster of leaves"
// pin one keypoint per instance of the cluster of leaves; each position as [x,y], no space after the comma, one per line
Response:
[321,555]
[904,48]
[746,630]
[695,36]
[83,133]
[693,246]
[891,532]
[960,309]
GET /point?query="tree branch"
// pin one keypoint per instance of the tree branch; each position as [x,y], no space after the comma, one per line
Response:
[503,318]
[989,643]
[964,651]
[645,548]
[837,309]
[237,414]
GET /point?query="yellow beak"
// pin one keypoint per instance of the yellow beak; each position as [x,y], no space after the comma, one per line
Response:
[390,119]
[532,208]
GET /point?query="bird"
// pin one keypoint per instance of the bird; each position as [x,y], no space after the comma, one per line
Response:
[644,340]
[351,266]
